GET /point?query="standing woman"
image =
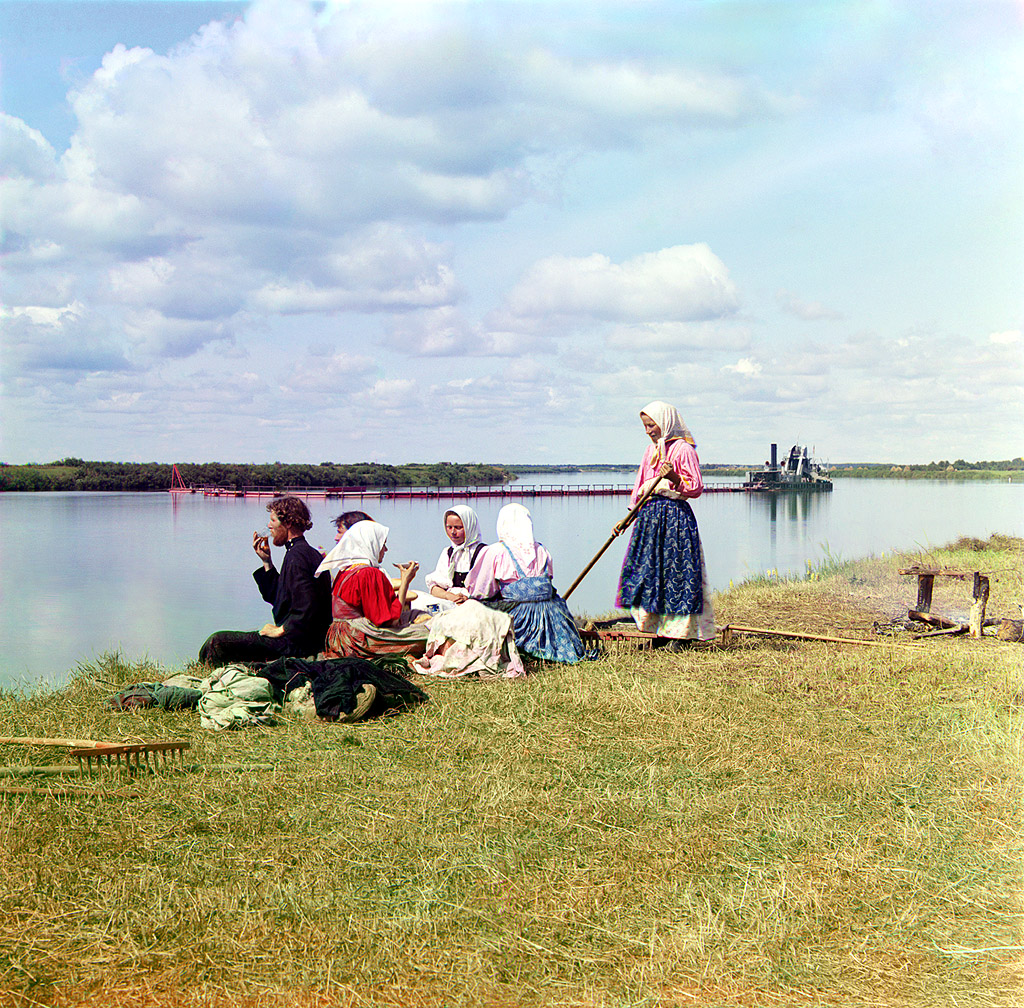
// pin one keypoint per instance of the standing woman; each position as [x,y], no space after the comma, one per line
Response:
[448,579]
[663,581]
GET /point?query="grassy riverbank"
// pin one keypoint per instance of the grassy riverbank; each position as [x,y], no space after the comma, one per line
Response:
[776,823]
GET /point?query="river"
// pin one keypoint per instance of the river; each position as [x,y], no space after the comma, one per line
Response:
[152,574]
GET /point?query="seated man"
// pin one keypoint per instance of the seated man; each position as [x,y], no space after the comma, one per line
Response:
[301,600]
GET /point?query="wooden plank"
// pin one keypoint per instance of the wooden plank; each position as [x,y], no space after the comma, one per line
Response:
[936,572]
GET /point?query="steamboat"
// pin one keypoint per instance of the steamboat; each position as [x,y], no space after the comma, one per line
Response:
[798,471]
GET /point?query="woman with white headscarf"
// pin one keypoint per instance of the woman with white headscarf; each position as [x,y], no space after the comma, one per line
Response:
[370,617]
[663,581]
[448,579]
[514,575]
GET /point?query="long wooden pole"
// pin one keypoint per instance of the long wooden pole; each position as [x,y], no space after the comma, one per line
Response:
[729,628]
[616,532]
[68,743]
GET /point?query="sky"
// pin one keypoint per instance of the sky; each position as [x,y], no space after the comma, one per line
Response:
[493,231]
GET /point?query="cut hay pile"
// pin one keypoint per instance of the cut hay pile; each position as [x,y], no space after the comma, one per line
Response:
[775,823]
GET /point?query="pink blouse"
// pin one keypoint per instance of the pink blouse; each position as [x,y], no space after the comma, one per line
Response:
[494,567]
[683,457]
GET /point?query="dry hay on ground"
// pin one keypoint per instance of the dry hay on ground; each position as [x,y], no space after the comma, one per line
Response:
[777,823]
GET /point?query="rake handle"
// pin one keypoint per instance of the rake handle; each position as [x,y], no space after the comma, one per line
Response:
[70,743]
[616,532]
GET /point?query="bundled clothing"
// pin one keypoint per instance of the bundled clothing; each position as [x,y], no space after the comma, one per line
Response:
[514,575]
[179,692]
[249,696]
[339,684]
[300,597]
[663,582]
[234,697]
[455,562]
[368,619]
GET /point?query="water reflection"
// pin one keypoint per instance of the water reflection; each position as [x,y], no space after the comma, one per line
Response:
[797,512]
[155,573]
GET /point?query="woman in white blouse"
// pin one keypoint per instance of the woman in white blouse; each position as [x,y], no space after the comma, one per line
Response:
[448,579]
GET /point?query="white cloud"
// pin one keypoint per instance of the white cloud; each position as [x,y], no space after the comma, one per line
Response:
[392,396]
[25,152]
[674,336]
[1007,338]
[317,213]
[446,332]
[810,311]
[375,269]
[746,367]
[337,374]
[625,96]
[682,283]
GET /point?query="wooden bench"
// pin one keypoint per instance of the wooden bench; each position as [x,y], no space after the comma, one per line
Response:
[925,584]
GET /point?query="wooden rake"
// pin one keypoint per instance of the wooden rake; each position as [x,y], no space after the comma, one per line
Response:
[149,756]
[129,757]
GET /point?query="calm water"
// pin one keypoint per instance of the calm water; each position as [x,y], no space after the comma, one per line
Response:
[149,574]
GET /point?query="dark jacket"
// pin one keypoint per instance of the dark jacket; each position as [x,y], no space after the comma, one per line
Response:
[301,600]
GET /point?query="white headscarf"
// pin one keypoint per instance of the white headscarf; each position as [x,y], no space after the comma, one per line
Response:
[515,529]
[360,544]
[671,423]
[471,524]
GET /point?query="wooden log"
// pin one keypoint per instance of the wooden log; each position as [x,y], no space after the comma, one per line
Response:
[980,594]
[1011,630]
[949,631]
[932,619]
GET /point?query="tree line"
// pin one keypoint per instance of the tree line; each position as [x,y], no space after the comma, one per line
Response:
[78,474]
[943,469]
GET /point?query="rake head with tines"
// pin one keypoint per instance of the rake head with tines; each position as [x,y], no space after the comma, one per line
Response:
[151,756]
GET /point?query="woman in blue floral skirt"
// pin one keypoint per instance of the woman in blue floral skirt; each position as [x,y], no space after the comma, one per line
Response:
[664,581]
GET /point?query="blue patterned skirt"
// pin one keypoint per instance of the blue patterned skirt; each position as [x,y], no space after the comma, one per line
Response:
[547,630]
[662,571]
[541,622]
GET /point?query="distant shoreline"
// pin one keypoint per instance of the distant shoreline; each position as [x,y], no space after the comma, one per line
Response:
[79,475]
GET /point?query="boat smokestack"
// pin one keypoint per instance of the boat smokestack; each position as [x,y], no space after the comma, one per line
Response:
[775,456]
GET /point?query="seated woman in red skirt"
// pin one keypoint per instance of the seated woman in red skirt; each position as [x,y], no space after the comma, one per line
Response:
[370,617]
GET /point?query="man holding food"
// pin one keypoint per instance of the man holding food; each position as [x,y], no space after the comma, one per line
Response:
[301,600]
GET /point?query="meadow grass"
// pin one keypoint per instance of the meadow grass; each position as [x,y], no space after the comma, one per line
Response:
[771,823]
